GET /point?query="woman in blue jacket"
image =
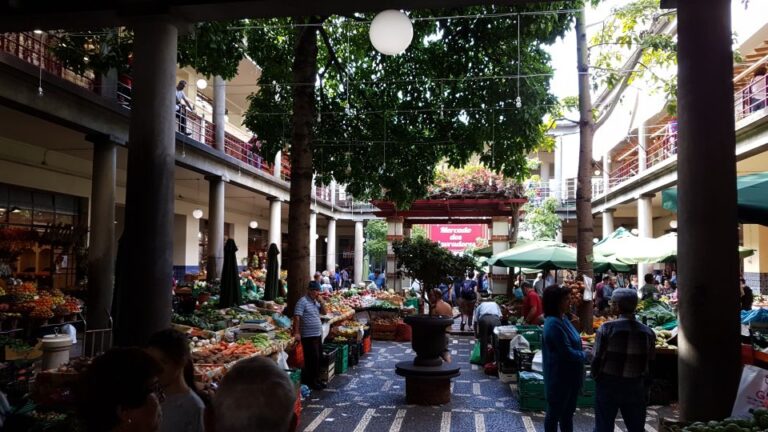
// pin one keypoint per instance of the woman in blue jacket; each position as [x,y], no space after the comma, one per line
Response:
[563,360]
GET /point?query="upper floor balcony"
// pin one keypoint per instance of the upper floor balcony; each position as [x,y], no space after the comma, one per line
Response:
[35,48]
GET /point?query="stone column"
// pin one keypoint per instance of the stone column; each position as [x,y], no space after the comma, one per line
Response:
[101,245]
[330,256]
[275,225]
[145,263]
[219,111]
[644,228]
[394,233]
[709,358]
[278,165]
[500,243]
[642,147]
[608,222]
[215,258]
[545,175]
[108,88]
[359,251]
[312,243]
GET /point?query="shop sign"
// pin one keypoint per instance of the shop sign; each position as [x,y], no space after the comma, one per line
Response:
[456,238]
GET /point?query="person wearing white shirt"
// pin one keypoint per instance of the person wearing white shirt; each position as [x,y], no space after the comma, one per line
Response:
[487,317]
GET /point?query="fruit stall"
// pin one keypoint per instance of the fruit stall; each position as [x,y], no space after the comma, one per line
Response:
[381,310]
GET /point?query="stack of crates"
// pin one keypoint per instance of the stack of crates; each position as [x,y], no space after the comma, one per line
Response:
[354,353]
[501,350]
[533,334]
[586,398]
[342,358]
[532,396]
[328,363]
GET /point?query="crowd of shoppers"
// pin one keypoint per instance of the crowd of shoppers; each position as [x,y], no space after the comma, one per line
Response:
[150,390]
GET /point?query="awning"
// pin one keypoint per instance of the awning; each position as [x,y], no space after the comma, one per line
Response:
[752,198]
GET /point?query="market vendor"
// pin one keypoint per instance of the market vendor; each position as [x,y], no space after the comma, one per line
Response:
[533,313]
[487,317]
[309,329]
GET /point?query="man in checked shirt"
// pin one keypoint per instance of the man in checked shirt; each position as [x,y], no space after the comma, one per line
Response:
[622,351]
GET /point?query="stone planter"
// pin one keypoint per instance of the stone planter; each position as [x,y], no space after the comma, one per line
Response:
[428,338]
[427,378]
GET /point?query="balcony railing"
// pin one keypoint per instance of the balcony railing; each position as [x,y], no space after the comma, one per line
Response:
[752,98]
[35,49]
[663,147]
[624,171]
[564,193]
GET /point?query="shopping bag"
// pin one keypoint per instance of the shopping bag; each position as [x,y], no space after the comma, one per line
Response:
[475,357]
[296,357]
[752,391]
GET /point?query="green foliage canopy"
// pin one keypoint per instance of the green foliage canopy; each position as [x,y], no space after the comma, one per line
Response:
[384,123]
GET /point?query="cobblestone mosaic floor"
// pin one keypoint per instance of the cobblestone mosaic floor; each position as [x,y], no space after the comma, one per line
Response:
[370,397]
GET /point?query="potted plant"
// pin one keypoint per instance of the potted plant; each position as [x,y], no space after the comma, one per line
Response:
[432,265]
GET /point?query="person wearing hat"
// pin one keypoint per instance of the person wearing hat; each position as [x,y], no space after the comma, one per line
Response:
[487,316]
[308,328]
[623,349]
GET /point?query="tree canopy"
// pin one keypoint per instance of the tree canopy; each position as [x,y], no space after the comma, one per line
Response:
[384,123]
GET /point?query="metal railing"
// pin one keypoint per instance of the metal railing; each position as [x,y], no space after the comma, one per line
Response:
[563,192]
[35,49]
[625,171]
[752,98]
[663,147]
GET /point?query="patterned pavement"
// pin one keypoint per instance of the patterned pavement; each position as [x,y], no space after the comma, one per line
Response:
[371,397]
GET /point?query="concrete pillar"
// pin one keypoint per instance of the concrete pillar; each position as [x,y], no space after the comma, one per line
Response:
[500,243]
[334,186]
[608,226]
[215,258]
[330,256]
[278,165]
[219,111]
[145,253]
[644,228]
[544,173]
[101,245]
[756,266]
[359,251]
[709,356]
[312,243]
[394,233]
[275,225]
[108,88]
[642,147]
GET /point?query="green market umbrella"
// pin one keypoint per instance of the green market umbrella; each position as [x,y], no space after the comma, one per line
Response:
[605,244]
[752,202]
[273,274]
[603,264]
[230,278]
[483,252]
[538,256]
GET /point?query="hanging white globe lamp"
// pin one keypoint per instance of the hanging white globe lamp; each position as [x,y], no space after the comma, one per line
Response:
[391,32]
[202,83]
[197,213]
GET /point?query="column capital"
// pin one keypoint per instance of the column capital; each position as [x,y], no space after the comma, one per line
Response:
[100,138]
[395,219]
[609,210]
[648,195]
[212,178]
[274,199]
[500,238]
[331,218]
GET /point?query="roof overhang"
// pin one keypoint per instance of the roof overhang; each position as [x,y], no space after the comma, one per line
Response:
[25,15]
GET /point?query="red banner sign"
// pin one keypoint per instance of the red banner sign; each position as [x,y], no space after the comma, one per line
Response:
[456,238]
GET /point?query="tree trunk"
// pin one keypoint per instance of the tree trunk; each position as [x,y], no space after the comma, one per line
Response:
[304,71]
[584,219]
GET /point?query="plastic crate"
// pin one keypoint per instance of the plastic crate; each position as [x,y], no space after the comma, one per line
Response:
[329,355]
[533,334]
[366,345]
[342,358]
[354,355]
[295,376]
[524,360]
[328,371]
[360,350]
[533,404]
[531,385]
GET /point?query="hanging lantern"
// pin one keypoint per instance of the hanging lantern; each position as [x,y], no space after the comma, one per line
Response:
[202,83]
[197,213]
[253,224]
[391,32]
